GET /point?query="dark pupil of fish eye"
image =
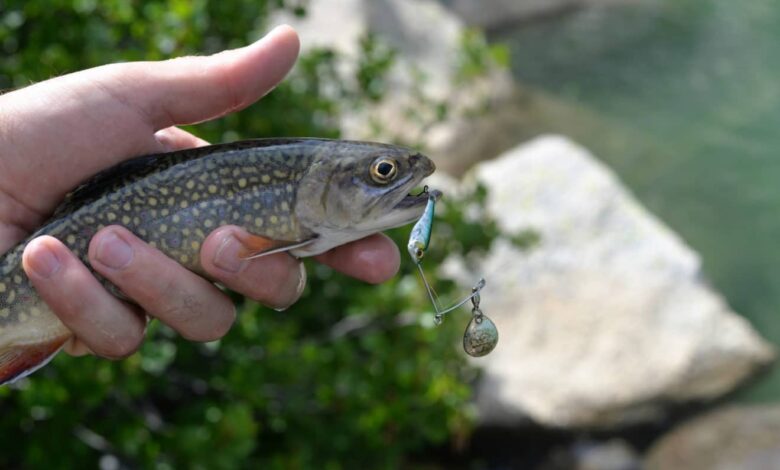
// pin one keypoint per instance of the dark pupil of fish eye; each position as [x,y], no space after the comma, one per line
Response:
[384,168]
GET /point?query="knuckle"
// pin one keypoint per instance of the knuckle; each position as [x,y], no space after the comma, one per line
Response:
[216,325]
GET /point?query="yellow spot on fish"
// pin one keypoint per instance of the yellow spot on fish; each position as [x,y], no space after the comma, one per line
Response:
[2,287]
[163,228]
[126,219]
[185,231]
[152,201]
[164,191]
[35,311]
[266,178]
[11,297]
[190,184]
[184,259]
[22,317]
[274,219]
[4,312]
[111,216]
[208,223]
[176,218]
[153,244]
[126,206]
[256,206]
[195,196]
[212,188]
[280,174]
[183,204]
[164,212]
[285,206]
[258,222]
[242,182]
[17,279]
[195,245]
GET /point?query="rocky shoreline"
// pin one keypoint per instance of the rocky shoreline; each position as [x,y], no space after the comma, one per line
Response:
[610,333]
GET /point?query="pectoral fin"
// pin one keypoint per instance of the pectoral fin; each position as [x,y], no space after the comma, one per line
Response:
[258,247]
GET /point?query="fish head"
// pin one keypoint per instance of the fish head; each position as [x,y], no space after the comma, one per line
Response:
[354,189]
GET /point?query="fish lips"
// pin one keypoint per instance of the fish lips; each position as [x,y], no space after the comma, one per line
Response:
[411,207]
[418,201]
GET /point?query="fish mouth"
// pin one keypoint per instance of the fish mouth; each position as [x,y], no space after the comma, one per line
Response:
[411,201]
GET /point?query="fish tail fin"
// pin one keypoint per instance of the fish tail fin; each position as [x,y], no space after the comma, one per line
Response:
[18,361]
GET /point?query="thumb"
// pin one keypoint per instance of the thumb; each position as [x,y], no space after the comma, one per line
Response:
[73,126]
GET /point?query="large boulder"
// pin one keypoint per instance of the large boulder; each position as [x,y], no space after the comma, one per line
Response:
[608,320]
[743,437]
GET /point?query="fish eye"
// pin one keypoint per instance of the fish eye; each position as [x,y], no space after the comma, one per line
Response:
[384,170]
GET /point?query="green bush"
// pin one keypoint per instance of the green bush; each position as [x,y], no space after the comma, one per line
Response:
[349,373]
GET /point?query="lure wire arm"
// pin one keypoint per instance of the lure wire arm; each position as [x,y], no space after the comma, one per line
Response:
[474,297]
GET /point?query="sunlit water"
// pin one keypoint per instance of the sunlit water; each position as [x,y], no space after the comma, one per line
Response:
[689,95]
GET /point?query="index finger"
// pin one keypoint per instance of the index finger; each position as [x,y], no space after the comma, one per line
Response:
[373,259]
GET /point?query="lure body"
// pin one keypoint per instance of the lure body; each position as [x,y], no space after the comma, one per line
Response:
[420,237]
[301,195]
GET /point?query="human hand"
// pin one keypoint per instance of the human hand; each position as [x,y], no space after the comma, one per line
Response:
[56,133]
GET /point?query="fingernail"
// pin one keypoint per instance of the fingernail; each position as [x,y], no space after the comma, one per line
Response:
[164,138]
[45,262]
[298,288]
[228,256]
[114,252]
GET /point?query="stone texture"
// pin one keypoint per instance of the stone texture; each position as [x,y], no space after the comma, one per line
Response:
[608,320]
[743,437]
[496,14]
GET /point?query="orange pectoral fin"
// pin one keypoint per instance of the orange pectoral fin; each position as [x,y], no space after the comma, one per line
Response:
[20,361]
[257,247]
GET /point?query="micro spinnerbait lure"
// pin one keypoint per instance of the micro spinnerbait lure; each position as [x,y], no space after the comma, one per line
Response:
[481,335]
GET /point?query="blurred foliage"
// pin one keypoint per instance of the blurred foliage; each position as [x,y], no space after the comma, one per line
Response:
[349,373]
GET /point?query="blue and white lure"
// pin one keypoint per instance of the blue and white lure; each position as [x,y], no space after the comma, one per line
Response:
[481,334]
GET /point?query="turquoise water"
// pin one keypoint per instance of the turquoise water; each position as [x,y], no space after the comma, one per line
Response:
[687,95]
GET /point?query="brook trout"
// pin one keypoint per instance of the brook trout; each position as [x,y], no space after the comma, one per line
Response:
[304,196]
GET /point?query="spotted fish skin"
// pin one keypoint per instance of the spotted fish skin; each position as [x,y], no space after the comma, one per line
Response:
[288,191]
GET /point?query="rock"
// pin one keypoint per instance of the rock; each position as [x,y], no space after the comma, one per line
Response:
[427,38]
[424,34]
[607,321]
[498,14]
[614,454]
[611,455]
[743,437]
